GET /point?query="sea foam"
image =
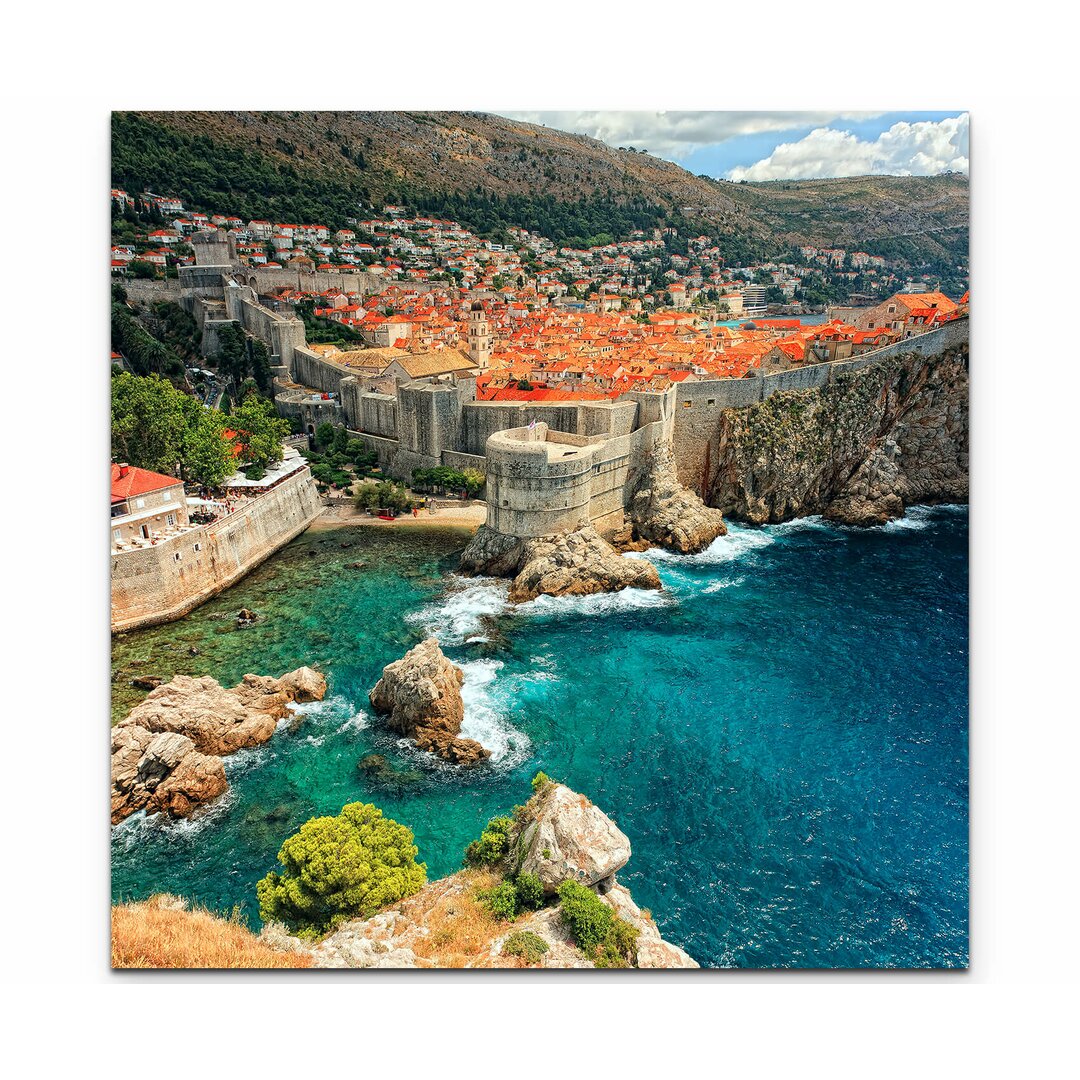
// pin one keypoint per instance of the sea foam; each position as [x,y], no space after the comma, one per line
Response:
[459,615]
[486,715]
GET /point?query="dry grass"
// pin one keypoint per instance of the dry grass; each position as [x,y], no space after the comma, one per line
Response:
[161,933]
[461,929]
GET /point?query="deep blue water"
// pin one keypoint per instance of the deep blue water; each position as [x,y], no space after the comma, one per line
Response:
[781,732]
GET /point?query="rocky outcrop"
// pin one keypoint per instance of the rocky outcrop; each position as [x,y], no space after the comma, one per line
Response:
[558,835]
[568,837]
[166,754]
[421,694]
[571,564]
[858,450]
[161,773]
[664,513]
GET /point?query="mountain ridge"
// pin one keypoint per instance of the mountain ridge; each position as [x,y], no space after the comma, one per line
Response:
[418,156]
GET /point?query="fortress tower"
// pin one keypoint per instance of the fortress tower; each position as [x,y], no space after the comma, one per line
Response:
[479,336]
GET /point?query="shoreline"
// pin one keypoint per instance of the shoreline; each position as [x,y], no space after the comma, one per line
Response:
[468,516]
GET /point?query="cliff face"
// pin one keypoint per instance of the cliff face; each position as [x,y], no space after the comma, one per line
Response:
[858,451]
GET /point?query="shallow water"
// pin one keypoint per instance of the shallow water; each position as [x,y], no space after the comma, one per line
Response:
[781,732]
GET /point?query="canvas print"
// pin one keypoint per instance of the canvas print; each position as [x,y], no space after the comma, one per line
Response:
[539,540]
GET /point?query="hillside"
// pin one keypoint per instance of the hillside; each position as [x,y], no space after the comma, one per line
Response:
[491,171]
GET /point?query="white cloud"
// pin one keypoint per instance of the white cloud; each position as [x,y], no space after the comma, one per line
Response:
[923,148]
[670,134]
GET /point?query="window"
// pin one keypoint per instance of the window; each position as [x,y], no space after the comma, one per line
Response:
[170,519]
[176,556]
[712,401]
[197,548]
[165,497]
[116,535]
[687,404]
[140,503]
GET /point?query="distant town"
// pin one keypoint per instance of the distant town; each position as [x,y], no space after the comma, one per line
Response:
[583,323]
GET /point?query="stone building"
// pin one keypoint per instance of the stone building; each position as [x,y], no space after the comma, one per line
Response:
[144,505]
[480,345]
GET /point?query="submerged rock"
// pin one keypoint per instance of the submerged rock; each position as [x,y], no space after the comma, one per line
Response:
[577,563]
[166,751]
[421,693]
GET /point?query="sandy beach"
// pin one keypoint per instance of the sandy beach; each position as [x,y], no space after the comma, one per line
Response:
[469,515]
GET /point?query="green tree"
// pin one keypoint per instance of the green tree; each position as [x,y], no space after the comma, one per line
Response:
[260,429]
[340,868]
[207,457]
[147,422]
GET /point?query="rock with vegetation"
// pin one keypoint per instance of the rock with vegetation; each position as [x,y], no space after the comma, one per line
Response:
[569,838]
[666,514]
[858,451]
[421,694]
[350,894]
[166,752]
[577,563]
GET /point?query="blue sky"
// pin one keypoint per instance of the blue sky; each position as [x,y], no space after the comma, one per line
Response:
[782,145]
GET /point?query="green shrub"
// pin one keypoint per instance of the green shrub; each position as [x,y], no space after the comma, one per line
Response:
[502,901]
[606,940]
[529,946]
[620,948]
[541,782]
[587,916]
[340,868]
[530,891]
[493,844]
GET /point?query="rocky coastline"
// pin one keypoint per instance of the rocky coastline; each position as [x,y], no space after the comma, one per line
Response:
[857,451]
[558,836]
[166,754]
[661,513]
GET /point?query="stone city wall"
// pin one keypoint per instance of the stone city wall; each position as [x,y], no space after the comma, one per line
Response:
[698,405]
[161,583]
[541,481]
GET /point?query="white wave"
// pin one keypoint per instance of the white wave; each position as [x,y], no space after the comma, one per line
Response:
[597,603]
[740,541]
[134,831]
[485,717]
[460,614]
[357,722]
[802,524]
[716,586]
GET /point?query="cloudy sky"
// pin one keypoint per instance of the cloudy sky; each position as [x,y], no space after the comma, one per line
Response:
[782,145]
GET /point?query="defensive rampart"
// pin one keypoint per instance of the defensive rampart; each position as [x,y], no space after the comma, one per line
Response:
[541,481]
[158,584]
[698,405]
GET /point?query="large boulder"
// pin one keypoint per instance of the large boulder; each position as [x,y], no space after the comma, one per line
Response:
[161,772]
[577,563]
[421,694]
[166,753]
[566,836]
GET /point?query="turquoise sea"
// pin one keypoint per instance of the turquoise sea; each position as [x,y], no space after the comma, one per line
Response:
[781,732]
